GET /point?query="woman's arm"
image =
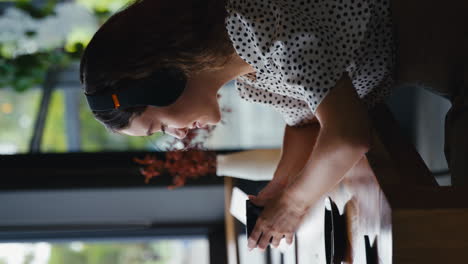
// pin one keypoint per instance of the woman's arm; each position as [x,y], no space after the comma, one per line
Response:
[262,164]
[343,139]
[298,143]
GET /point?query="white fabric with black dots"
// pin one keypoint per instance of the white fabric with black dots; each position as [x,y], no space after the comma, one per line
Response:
[300,49]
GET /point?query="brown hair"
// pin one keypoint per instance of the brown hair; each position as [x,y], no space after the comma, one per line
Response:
[152,34]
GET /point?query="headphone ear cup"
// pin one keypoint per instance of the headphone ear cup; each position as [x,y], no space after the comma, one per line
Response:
[170,83]
[161,88]
[164,86]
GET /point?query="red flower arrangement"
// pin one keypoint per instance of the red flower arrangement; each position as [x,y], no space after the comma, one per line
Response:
[192,162]
[181,165]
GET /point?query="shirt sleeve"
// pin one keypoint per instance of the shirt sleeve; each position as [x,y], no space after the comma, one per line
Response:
[293,111]
[309,46]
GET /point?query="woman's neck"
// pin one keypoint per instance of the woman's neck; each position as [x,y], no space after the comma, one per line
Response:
[234,68]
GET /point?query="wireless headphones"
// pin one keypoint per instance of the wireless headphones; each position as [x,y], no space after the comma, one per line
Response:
[161,88]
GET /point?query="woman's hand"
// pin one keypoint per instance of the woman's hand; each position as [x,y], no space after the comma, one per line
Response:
[281,217]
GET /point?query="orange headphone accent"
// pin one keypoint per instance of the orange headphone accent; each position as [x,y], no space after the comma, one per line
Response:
[116,101]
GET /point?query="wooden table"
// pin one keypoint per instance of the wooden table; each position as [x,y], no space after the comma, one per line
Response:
[391,197]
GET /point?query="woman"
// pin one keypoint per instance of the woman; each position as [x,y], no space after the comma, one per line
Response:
[322,64]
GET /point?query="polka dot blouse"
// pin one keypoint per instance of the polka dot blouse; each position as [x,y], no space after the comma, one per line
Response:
[301,48]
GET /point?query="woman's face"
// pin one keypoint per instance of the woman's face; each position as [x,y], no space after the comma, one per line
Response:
[196,107]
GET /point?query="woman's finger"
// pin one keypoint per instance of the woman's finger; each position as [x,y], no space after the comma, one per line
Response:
[259,201]
[255,200]
[276,239]
[265,240]
[254,237]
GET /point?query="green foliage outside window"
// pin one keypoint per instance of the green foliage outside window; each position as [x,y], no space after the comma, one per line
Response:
[27,70]
[23,66]
[104,8]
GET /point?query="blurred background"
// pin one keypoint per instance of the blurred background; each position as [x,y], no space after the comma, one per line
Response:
[43,112]
[70,191]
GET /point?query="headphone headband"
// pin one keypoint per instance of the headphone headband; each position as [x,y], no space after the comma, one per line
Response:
[161,88]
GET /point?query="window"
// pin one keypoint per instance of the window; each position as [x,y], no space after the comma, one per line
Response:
[17,113]
[136,251]
[70,126]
